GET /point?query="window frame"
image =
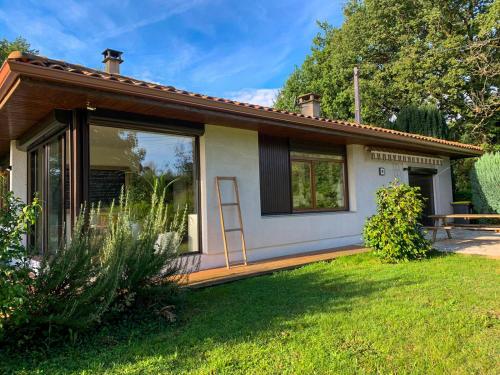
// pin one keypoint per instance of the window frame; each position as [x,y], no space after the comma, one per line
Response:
[74,127]
[311,160]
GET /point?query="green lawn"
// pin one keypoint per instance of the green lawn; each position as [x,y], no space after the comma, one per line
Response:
[353,315]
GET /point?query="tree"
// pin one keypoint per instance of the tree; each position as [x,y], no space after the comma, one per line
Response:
[427,120]
[482,96]
[420,52]
[18,44]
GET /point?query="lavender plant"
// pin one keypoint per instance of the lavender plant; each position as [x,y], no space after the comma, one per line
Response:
[102,270]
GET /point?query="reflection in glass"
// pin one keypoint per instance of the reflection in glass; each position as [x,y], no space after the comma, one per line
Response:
[55,218]
[36,163]
[329,182]
[135,160]
[301,184]
[318,181]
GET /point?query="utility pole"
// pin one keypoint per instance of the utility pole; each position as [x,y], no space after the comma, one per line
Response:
[357,99]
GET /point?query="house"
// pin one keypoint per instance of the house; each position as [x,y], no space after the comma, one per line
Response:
[73,134]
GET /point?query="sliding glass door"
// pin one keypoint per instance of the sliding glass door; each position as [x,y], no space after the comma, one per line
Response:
[36,159]
[49,174]
[55,214]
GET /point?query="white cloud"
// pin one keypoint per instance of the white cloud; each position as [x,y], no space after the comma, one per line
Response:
[137,21]
[75,29]
[45,34]
[265,97]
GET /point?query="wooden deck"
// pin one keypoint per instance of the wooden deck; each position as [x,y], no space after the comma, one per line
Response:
[222,275]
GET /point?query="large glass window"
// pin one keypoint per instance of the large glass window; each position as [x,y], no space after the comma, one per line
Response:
[135,159]
[318,181]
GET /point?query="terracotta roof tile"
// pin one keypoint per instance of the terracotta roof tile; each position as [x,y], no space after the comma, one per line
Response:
[82,70]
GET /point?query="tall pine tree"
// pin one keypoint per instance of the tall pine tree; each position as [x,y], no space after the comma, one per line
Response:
[426,120]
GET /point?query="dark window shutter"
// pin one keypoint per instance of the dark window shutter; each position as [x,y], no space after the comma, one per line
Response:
[274,160]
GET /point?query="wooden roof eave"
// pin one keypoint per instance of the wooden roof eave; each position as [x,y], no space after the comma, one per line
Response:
[15,69]
[8,82]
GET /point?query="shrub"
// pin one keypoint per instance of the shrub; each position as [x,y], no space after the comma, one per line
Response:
[102,271]
[394,232]
[485,182]
[16,219]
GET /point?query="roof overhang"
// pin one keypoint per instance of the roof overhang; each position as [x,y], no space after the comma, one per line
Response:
[30,92]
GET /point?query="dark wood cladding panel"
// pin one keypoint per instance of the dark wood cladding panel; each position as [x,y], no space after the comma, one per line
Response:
[275,195]
[136,121]
[317,147]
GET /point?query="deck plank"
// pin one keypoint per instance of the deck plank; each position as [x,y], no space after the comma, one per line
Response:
[222,275]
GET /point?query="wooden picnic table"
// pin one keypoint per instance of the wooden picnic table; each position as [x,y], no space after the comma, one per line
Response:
[441,222]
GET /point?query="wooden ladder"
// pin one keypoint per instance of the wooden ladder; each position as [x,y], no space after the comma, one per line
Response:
[236,204]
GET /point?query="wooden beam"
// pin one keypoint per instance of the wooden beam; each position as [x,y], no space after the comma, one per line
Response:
[134,120]
[54,122]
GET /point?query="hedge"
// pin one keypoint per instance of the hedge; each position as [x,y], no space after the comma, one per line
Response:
[485,182]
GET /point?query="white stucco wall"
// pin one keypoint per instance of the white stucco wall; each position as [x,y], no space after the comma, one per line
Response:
[18,178]
[234,152]
[19,172]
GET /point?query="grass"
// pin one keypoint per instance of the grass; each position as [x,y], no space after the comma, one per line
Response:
[353,315]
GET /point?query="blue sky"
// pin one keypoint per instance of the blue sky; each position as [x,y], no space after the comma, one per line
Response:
[242,50]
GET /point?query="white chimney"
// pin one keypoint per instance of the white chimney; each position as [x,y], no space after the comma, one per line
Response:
[112,60]
[310,104]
